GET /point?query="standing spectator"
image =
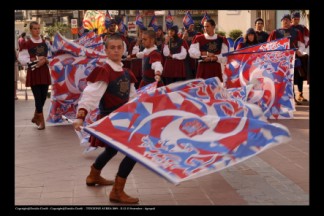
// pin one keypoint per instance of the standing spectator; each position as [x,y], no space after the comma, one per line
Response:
[159,38]
[209,47]
[38,76]
[136,63]
[175,52]
[151,60]
[112,86]
[262,36]
[250,39]
[191,63]
[21,40]
[305,32]
[296,41]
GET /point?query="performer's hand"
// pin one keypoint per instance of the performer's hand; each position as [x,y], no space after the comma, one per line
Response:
[214,58]
[203,53]
[185,35]
[41,61]
[77,123]
[157,77]
[299,53]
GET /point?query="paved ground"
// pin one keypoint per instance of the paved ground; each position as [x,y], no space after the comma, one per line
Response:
[50,169]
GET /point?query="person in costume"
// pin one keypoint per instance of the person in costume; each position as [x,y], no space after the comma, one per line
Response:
[208,48]
[175,52]
[151,60]
[296,41]
[33,54]
[111,86]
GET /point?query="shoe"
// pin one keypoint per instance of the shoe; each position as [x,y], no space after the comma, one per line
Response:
[94,178]
[298,102]
[118,194]
[301,98]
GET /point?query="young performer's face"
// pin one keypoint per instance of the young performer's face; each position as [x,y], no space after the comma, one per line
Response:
[147,41]
[35,30]
[115,50]
[285,23]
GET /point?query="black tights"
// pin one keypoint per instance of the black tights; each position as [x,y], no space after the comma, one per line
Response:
[40,94]
[125,167]
[298,80]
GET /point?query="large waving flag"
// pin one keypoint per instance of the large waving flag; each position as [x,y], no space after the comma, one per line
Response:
[72,63]
[169,20]
[139,20]
[94,19]
[205,18]
[69,71]
[153,23]
[189,129]
[187,20]
[271,65]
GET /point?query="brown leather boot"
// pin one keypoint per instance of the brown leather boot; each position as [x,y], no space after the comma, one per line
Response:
[117,193]
[41,125]
[35,119]
[94,178]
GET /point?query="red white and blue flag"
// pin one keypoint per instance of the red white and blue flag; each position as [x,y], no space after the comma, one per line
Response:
[271,65]
[205,18]
[121,26]
[139,20]
[187,20]
[153,23]
[169,20]
[107,19]
[189,129]
[70,66]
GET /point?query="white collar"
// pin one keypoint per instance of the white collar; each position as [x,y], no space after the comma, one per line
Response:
[116,67]
[36,40]
[149,50]
[210,37]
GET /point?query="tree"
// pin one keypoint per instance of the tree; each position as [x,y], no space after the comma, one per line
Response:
[235,33]
[57,27]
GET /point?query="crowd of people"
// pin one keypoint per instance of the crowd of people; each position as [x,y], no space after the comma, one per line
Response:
[135,62]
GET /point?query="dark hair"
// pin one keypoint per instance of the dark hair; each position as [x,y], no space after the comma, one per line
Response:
[23,34]
[258,19]
[211,22]
[32,24]
[114,36]
[250,31]
[150,33]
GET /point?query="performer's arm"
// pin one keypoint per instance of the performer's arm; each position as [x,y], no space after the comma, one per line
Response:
[89,101]
[166,50]
[140,55]
[125,48]
[157,67]
[194,51]
[220,58]
[24,57]
[181,55]
[135,49]
[132,92]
